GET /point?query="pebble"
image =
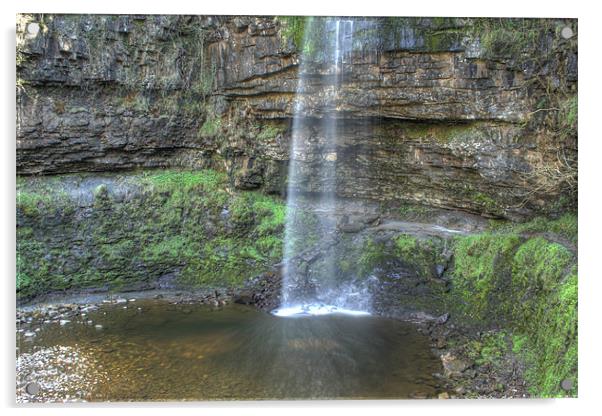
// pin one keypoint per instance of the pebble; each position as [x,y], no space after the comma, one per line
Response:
[29,334]
[443,395]
[64,322]
[97,326]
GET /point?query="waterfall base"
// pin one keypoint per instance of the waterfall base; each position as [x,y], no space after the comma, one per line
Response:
[315,309]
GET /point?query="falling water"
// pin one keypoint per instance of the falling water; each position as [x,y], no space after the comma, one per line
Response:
[316,168]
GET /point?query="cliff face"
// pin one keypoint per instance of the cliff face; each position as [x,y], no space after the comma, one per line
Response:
[470,114]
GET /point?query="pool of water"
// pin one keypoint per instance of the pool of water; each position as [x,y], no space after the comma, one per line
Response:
[154,350]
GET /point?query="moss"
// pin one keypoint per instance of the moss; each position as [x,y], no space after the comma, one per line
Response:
[488,350]
[545,282]
[293,29]
[513,38]
[518,343]
[486,202]
[40,200]
[31,203]
[419,255]
[173,224]
[481,270]
[566,226]
[208,180]
[211,126]
[414,211]
[269,132]
[530,286]
[172,249]
[443,40]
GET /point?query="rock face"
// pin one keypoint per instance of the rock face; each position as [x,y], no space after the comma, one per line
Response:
[158,229]
[455,113]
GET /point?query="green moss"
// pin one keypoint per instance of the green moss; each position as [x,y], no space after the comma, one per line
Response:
[512,38]
[269,132]
[405,245]
[41,200]
[539,264]
[172,249]
[208,180]
[486,202]
[518,343]
[31,203]
[419,255]
[531,287]
[546,283]
[481,269]
[293,29]
[174,223]
[414,211]
[565,226]
[488,350]
[211,126]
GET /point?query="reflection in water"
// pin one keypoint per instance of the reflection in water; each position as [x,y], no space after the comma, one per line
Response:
[190,352]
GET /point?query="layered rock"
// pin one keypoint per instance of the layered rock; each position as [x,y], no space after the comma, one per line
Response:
[467,114]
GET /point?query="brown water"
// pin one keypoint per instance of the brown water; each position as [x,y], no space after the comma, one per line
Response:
[153,350]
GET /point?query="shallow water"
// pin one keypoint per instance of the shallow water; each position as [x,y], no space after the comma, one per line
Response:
[154,350]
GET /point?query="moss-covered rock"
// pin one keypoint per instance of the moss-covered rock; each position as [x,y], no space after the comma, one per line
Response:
[132,230]
[527,284]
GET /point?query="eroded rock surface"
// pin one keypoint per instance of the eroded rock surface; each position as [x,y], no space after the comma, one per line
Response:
[434,111]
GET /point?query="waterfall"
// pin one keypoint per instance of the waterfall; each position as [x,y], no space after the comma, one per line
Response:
[313,167]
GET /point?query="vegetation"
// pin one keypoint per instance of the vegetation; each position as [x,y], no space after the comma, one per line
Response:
[181,222]
[530,286]
[511,38]
[211,126]
[419,254]
[293,29]
[565,226]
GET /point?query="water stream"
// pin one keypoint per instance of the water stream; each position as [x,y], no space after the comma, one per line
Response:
[327,295]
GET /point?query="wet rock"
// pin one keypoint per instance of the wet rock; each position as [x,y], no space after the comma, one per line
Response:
[453,366]
[441,343]
[419,395]
[244,298]
[442,319]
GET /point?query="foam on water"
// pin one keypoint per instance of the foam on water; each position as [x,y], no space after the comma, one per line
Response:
[314,309]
